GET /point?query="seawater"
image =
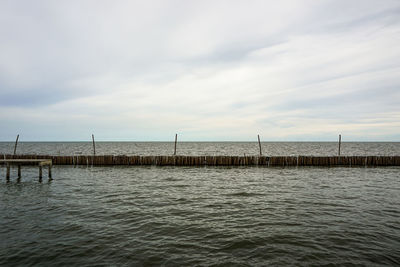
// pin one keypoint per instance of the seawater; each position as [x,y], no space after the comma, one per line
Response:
[204,148]
[180,216]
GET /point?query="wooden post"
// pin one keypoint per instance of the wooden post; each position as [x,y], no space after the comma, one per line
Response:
[40,173]
[94,146]
[340,141]
[259,144]
[50,177]
[16,143]
[8,171]
[19,171]
[176,138]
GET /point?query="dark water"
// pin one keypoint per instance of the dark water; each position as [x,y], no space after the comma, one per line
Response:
[177,216]
[204,148]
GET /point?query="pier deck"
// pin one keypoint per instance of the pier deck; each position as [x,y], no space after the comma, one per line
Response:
[20,162]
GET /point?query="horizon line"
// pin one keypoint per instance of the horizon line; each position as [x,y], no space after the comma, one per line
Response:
[199,141]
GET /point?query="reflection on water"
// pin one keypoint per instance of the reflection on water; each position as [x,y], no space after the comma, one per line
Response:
[201,216]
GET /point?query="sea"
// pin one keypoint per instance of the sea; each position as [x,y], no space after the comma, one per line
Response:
[201,216]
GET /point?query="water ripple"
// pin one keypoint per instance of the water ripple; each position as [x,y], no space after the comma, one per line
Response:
[202,217]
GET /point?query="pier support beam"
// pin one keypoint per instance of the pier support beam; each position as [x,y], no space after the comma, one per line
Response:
[50,176]
[8,172]
[19,162]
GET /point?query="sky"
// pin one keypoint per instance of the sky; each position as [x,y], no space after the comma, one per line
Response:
[301,70]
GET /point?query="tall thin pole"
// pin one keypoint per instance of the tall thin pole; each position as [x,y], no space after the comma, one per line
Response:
[340,141]
[94,146]
[259,144]
[176,139]
[16,143]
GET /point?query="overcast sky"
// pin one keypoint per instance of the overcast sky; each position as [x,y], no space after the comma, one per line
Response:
[207,70]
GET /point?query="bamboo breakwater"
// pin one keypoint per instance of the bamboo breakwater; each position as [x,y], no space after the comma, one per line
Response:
[268,161]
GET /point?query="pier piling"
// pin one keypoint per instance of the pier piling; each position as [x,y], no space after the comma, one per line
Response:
[94,145]
[27,160]
[8,172]
[50,175]
[15,146]
[176,139]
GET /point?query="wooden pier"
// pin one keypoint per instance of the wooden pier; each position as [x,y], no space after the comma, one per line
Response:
[178,160]
[15,161]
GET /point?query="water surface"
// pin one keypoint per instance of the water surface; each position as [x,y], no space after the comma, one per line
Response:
[205,148]
[201,216]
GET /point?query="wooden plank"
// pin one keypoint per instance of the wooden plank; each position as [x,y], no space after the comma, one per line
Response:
[26,161]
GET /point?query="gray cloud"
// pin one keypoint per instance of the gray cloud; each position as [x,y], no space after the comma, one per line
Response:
[213,69]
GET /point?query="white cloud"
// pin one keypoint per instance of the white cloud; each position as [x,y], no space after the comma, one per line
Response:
[211,70]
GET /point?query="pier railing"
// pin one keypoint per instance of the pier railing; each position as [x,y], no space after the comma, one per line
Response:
[178,160]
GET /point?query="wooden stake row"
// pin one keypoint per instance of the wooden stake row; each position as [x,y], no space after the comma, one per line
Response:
[99,160]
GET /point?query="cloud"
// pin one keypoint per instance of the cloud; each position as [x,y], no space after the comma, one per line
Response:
[211,70]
